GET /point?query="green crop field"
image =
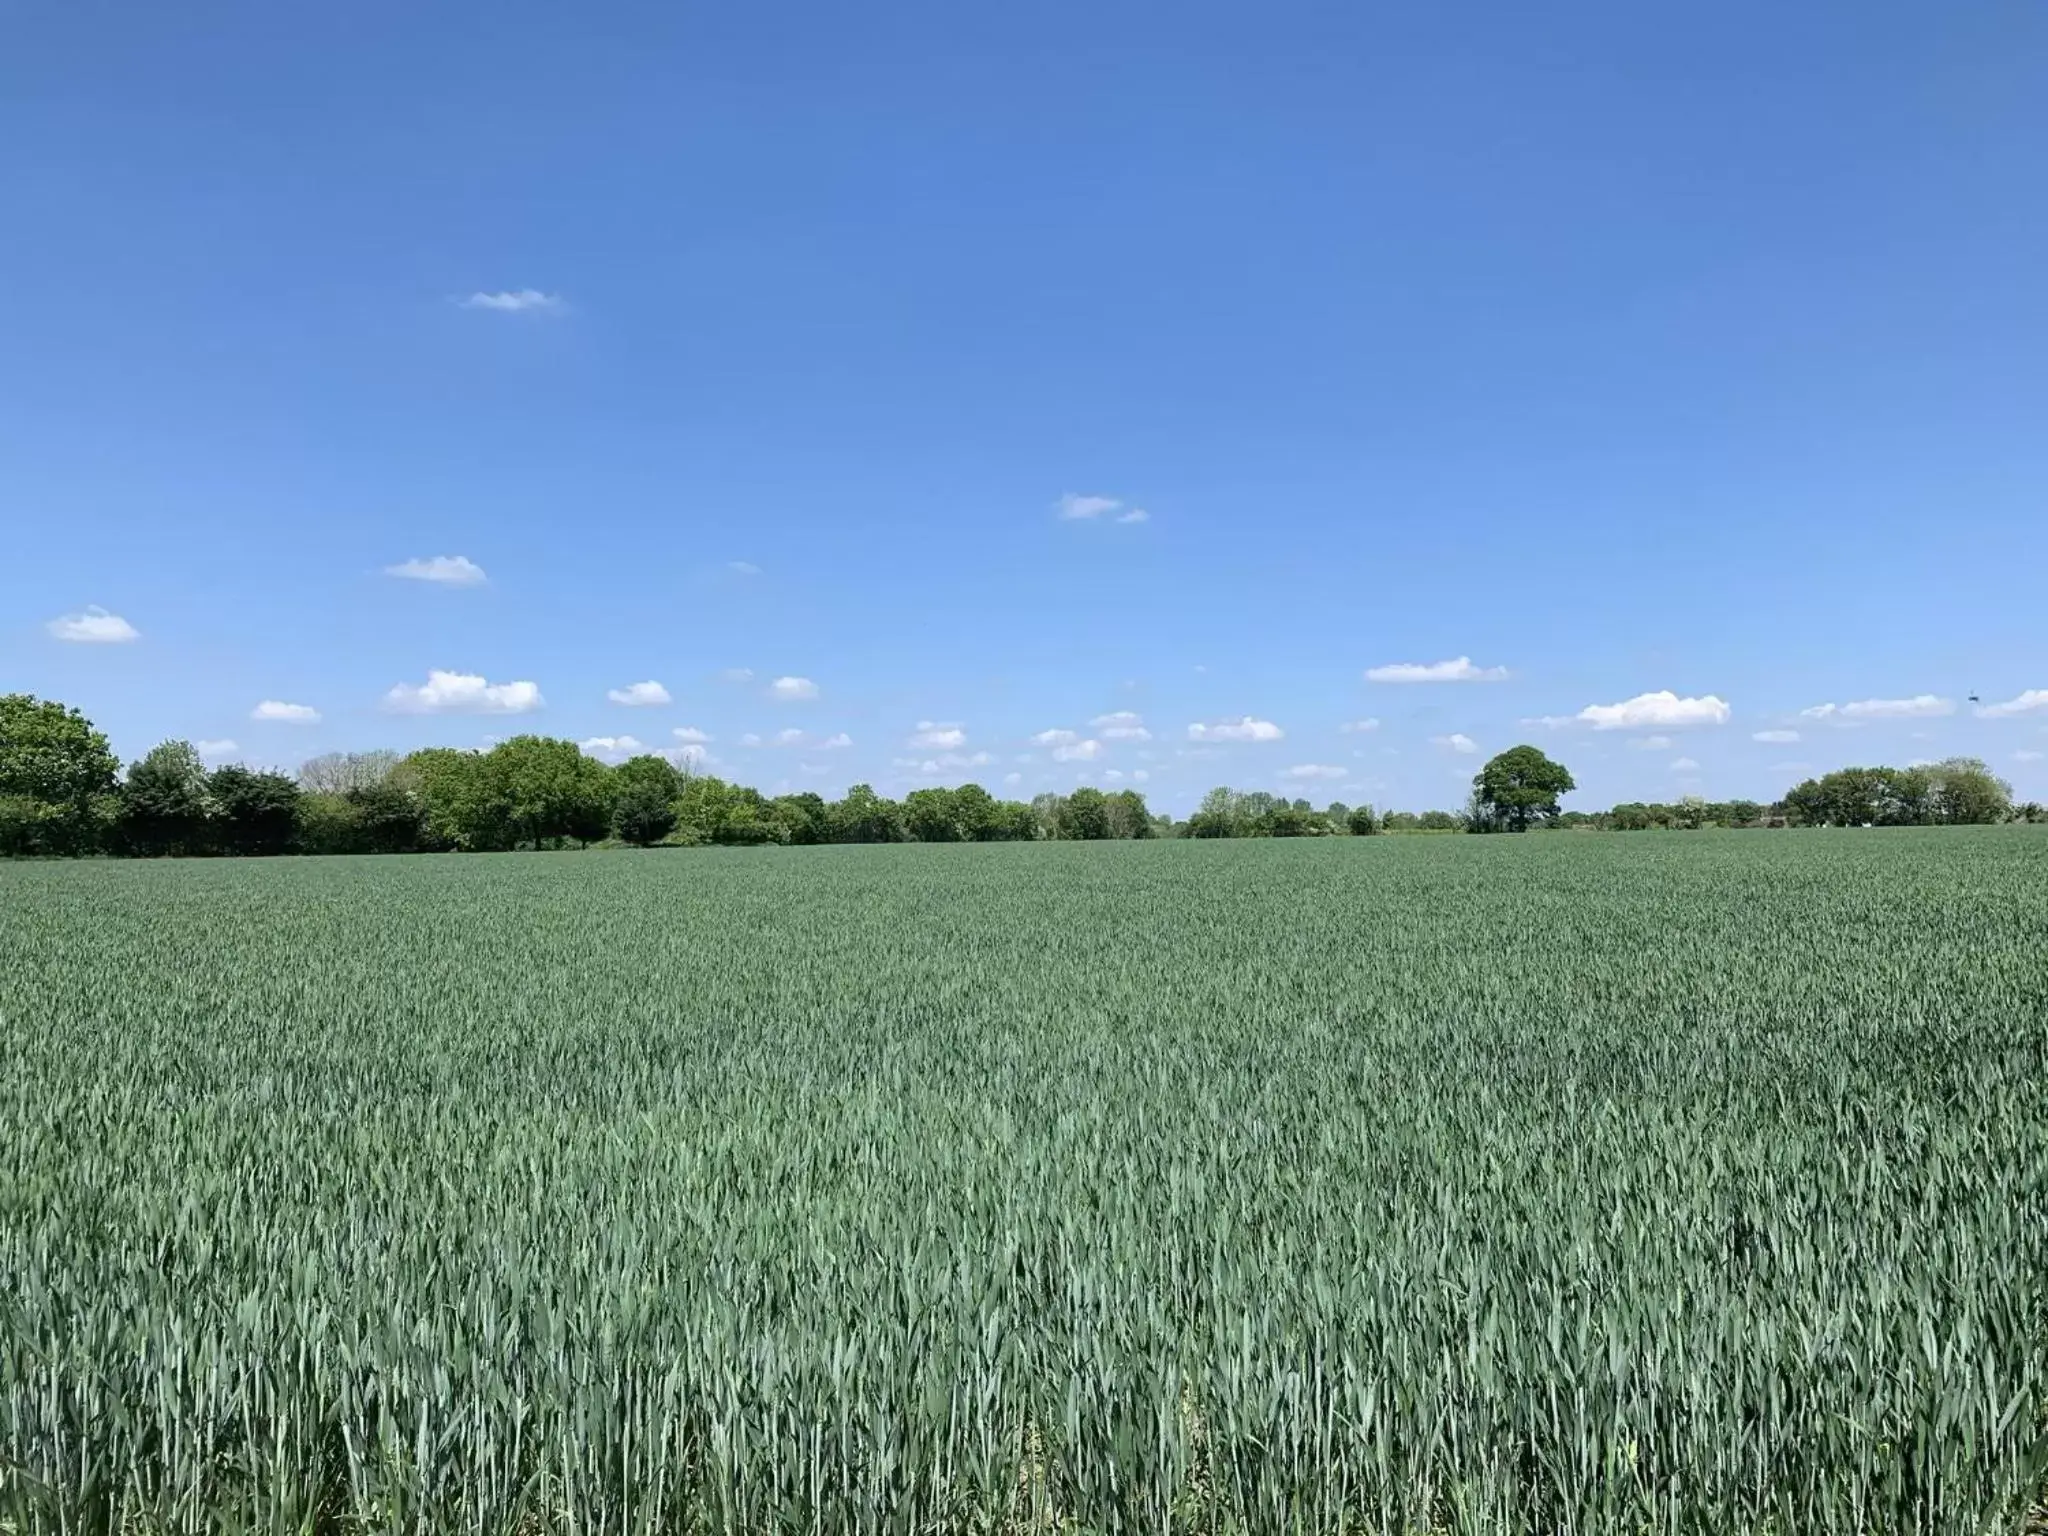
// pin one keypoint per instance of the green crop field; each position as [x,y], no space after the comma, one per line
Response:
[1575,1184]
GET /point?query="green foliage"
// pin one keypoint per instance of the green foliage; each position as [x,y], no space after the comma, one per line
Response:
[56,778]
[1359,822]
[1516,790]
[1960,791]
[251,813]
[163,802]
[643,800]
[1477,1185]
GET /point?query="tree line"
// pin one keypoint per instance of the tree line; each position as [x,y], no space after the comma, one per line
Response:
[63,793]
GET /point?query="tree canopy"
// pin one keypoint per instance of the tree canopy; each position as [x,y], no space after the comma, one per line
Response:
[1518,789]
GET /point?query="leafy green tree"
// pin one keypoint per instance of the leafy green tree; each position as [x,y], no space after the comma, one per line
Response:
[1216,816]
[163,802]
[551,790]
[865,817]
[251,814]
[805,817]
[1014,821]
[644,800]
[1128,815]
[1084,815]
[56,778]
[974,814]
[387,818]
[1439,821]
[928,816]
[463,798]
[1359,821]
[1518,789]
[1967,793]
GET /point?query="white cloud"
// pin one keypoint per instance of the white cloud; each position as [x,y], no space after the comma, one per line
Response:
[1244,728]
[1013,777]
[1921,706]
[1352,727]
[737,675]
[1459,669]
[743,567]
[462,693]
[944,762]
[689,758]
[1056,737]
[1549,722]
[1652,743]
[1774,736]
[2025,703]
[516,301]
[639,694]
[1112,775]
[448,570]
[750,739]
[1135,515]
[690,733]
[789,736]
[2028,755]
[1663,708]
[1077,751]
[1683,765]
[835,741]
[290,714]
[93,626]
[1071,506]
[792,688]
[611,749]
[933,735]
[1122,725]
[1141,775]
[1312,771]
[1457,741]
[213,751]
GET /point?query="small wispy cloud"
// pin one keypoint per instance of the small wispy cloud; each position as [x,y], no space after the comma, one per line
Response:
[1777,737]
[1457,741]
[93,626]
[214,751]
[1312,771]
[792,689]
[1683,765]
[639,695]
[1922,706]
[289,714]
[736,675]
[1122,725]
[743,567]
[446,570]
[1651,710]
[1074,508]
[1459,669]
[835,741]
[2028,755]
[690,733]
[516,301]
[1077,751]
[1244,728]
[462,693]
[1135,515]
[1353,727]
[933,735]
[2023,704]
[1057,736]
[610,749]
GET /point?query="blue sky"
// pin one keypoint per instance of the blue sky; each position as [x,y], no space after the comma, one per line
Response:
[1623,349]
